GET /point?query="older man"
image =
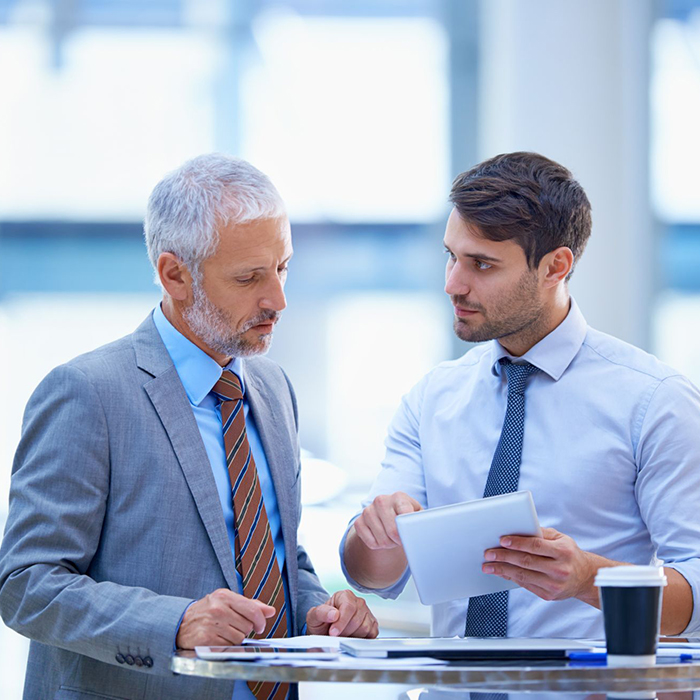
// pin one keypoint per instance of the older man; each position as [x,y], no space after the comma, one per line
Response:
[155,492]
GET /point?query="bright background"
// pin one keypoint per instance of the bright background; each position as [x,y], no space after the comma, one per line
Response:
[361,112]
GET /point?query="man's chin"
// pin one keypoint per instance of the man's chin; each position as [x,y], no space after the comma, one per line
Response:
[256,344]
[469,333]
[463,330]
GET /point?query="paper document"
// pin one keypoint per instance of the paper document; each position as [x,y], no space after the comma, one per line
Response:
[307,641]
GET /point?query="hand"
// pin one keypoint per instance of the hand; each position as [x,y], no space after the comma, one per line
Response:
[552,566]
[376,526]
[222,618]
[343,614]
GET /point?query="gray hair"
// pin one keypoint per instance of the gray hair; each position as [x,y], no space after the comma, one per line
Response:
[188,205]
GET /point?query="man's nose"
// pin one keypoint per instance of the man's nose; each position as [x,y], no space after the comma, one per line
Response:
[456,283]
[274,295]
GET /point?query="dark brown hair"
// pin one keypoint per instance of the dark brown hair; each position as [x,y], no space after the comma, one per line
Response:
[527,198]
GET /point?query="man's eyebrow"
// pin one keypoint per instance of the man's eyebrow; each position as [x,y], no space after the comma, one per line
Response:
[476,256]
[260,268]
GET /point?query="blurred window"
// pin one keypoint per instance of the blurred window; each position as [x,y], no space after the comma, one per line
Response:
[675,183]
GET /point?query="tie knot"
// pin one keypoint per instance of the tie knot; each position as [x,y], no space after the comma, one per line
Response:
[228,388]
[517,374]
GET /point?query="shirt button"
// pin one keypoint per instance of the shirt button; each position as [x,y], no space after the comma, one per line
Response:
[129,659]
[138,660]
[120,658]
[147,661]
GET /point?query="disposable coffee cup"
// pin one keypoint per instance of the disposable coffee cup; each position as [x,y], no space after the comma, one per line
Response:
[631,600]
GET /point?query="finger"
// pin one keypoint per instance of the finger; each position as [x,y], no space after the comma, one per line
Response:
[387,517]
[524,560]
[228,634]
[533,545]
[238,628]
[523,577]
[403,503]
[315,625]
[366,627]
[255,611]
[365,533]
[346,610]
[322,615]
[355,613]
[373,518]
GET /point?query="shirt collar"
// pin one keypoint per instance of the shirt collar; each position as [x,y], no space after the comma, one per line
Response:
[198,371]
[555,352]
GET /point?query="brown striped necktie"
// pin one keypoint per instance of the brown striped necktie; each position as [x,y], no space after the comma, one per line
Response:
[255,551]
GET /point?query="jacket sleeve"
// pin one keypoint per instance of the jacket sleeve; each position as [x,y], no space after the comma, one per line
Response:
[58,495]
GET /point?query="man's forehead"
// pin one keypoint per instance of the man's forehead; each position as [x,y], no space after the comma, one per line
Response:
[466,239]
[256,244]
[256,234]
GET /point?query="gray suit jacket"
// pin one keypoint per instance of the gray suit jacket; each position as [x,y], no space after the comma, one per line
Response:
[115,524]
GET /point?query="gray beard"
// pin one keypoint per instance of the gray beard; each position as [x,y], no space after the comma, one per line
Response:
[212,326]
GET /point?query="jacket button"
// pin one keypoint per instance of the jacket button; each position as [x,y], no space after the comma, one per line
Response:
[120,658]
[129,659]
[147,661]
[138,660]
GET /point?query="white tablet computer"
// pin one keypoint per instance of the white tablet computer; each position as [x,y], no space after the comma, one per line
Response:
[471,648]
[445,546]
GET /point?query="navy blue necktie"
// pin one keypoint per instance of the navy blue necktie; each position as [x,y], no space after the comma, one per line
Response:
[487,615]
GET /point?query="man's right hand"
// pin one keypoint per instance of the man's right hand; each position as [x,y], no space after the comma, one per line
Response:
[222,618]
[376,526]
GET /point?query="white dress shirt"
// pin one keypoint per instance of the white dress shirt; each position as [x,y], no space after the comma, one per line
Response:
[611,454]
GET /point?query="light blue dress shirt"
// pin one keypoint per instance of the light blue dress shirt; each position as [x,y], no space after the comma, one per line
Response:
[199,373]
[611,454]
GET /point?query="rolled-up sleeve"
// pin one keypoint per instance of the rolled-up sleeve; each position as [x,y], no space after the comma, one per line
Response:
[668,480]
[402,470]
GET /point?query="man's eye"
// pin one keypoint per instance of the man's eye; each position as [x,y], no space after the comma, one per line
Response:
[481,265]
[450,254]
[246,280]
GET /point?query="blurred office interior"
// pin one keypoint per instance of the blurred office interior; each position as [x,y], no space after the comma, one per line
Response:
[361,112]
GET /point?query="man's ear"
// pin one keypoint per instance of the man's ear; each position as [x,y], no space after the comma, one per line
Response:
[174,276]
[556,265]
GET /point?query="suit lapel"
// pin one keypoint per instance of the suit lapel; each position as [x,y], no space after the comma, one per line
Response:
[170,401]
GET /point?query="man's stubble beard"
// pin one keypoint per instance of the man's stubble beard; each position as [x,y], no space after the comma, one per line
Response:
[213,326]
[521,312]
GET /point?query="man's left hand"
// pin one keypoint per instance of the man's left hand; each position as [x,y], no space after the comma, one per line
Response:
[342,615]
[553,567]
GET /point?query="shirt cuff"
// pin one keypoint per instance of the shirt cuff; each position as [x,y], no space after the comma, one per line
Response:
[392,592]
[177,629]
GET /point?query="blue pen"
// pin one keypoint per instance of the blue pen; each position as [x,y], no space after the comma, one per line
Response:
[587,656]
[602,656]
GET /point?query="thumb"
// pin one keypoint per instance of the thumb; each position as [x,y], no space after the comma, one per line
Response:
[319,617]
[327,613]
[549,533]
